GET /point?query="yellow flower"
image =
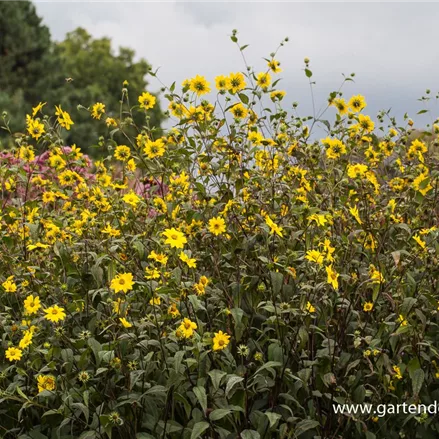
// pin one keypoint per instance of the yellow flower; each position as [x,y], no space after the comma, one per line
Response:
[152,273]
[332,277]
[263,79]
[63,118]
[328,249]
[418,239]
[9,285]
[397,371]
[108,230]
[357,170]
[418,147]
[35,128]
[158,257]
[402,320]
[375,275]
[54,313]
[319,219]
[131,198]
[13,354]
[220,341]
[27,153]
[366,123]
[199,85]
[174,238]
[155,301]
[422,183]
[277,95]
[191,263]
[368,307]
[173,311]
[356,214]
[46,382]
[255,137]
[274,228]
[239,111]
[311,309]
[154,149]
[122,153]
[357,103]
[397,184]
[314,256]
[117,306]
[221,82]
[235,82]
[217,225]
[38,108]
[147,100]
[273,65]
[125,322]
[97,110]
[26,340]
[186,328]
[334,148]
[122,282]
[341,106]
[32,304]
[57,162]
[110,122]
[131,165]
[69,178]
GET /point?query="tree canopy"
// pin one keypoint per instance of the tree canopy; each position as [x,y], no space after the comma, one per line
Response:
[80,69]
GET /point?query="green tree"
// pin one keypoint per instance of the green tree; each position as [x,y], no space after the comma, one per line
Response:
[78,71]
[24,50]
[24,45]
[92,73]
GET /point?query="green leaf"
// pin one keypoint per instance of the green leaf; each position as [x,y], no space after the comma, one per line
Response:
[269,364]
[273,418]
[244,98]
[250,434]
[305,425]
[21,393]
[359,394]
[216,376]
[231,382]
[98,274]
[200,393]
[178,358]
[199,429]
[275,352]
[308,73]
[238,314]
[412,366]
[276,281]
[96,348]
[417,381]
[219,414]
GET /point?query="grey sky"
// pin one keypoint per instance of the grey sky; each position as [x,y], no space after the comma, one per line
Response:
[392,47]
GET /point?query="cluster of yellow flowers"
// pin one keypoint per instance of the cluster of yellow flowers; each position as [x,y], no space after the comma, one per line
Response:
[236,237]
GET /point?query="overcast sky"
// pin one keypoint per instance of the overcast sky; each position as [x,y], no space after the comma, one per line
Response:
[392,47]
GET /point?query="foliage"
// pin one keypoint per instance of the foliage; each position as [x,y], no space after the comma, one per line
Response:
[78,70]
[231,278]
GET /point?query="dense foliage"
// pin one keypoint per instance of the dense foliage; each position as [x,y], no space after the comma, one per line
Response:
[231,278]
[80,70]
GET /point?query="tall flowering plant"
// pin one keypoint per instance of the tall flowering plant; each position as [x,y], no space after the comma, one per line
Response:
[235,277]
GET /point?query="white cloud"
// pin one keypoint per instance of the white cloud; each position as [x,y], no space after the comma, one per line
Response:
[389,46]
